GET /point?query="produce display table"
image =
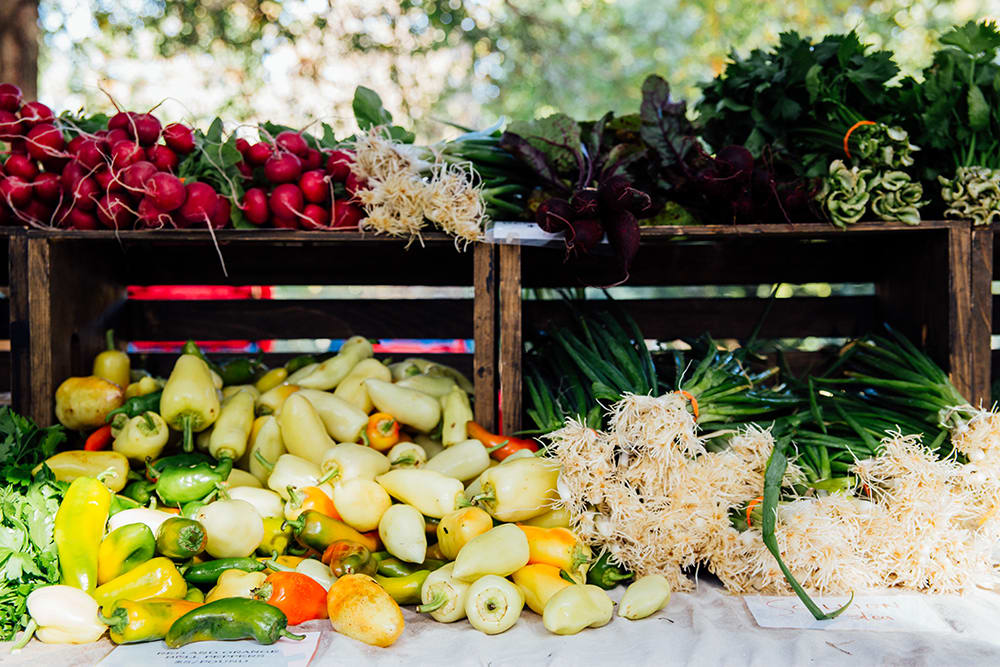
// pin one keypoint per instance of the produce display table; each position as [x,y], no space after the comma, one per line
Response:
[707,627]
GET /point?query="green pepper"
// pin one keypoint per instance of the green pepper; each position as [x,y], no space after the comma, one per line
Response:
[179,538]
[230,618]
[241,371]
[182,484]
[140,491]
[404,590]
[346,557]
[124,549]
[120,503]
[191,347]
[188,510]
[301,361]
[318,531]
[606,574]
[207,573]
[194,594]
[137,405]
[176,461]
[393,567]
[277,537]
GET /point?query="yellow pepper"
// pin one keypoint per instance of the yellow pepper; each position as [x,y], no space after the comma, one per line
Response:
[352,388]
[124,549]
[331,372]
[539,582]
[233,389]
[456,529]
[277,537]
[644,597]
[519,490]
[111,468]
[361,504]
[465,460]
[270,401]
[190,401]
[407,406]
[343,421]
[79,528]
[131,621]
[456,412]
[351,461]
[271,379]
[231,431]
[402,533]
[83,403]
[155,578]
[577,607]
[113,365]
[147,384]
[432,493]
[265,440]
[501,551]
[143,437]
[235,584]
[559,517]
[559,547]
[302,430]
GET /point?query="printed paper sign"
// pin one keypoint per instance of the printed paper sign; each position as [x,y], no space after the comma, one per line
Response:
[525,233]
[869,612]
[283,653]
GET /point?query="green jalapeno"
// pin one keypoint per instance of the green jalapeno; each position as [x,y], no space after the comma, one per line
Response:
[230,618]
[137,405]
[607,575]
[208,573]
[191,347]
[301,361]
[241,371]
[140,491]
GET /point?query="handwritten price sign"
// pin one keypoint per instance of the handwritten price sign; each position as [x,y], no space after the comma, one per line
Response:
[870,612]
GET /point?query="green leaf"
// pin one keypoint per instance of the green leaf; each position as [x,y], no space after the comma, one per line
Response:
[979,109]
[974,38]
[813,83]
[368,109]
[328,140]
[214,133]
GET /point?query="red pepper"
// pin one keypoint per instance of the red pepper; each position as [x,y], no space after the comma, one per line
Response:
[99,439]
[501,446]
[299,596]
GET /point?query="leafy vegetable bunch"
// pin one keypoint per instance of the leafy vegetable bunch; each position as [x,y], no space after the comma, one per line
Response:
[23,445]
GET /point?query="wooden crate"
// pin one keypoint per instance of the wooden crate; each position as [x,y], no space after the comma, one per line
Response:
[77,288]
[921,279]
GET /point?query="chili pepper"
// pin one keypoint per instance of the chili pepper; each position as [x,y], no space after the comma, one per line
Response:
[493,604]
[266,443]
[435,386]
[99,439]
[501,446]
[231,431]
[144,386]
[140,491]
[182,484]
[559,547]
[644,597]
[343,421]
[271,379]
[124,549]
[185,460]
[181,538]
[208,572]
[62,615]
[351,461]
[295,472]
[301,361]
[190,509]
[464,461]
[113,365]
[301,598]
[456,412]
[407,406]
[430,492]
[361,503]
[157,577]
[394,567]
[402,532]
[309,498]
[111,468]
[267,503]
[242,371]
[143,437]
[235,584]
[194,595]
[242,479]
[501,551]
[192,348]
[319,531]
[519,490]
[406,454]
[456,529]
[539,582]
[352,388]
[121,503]
[83,403]
[577,607]
[404,590]
[148,517]
[276,538]
[234,528]
[346,557]
[272,400]
[559,517]
[382,431]
[189,402]
[79,528]
[235,618]
[137,405]
[331,372]
[302,430]
[443,596]
[131,621]
[606,574]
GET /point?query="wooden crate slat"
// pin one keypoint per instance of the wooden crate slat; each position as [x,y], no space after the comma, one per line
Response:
[510,338]
[484,371]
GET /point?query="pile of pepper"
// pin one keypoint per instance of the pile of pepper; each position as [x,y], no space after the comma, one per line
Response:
[230,502]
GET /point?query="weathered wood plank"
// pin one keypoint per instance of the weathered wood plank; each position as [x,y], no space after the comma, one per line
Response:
[511,345]
[981,320]
[485,327]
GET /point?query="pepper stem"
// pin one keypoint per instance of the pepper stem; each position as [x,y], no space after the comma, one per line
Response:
[278,567]
[115,619]
[438,601]
[328,476]
[490,450]
[264,462]
[109,339]
[481,497]
[295,524]
[188,433]
[405,460]
[291,635]
[150,424]
[29,631]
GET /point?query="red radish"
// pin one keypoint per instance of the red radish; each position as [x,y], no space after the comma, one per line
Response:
[314,186]
[347,215]
[258,154]
[73,146]
[179,138]
[135,176]
[113,211]
[152,217]
[18,147]
[245,170]
[316,217]
[255,206]
[15,191]
[164,158]
[352,184]
[47,187]
[285,223]
[200,205]
[39,211]
[10,126]
[242,145]
[221,216]
[84,194]
[283,168]
[125,153]
[10,97]
[21,165]
[79,219]
[312,160]
[120,121]
[34,113]
[72,174]
[115,135]
[145,128]
[107,181]
[286,201]
[292,142]
[338,165]
[45,140]
[89,153]
[164,190]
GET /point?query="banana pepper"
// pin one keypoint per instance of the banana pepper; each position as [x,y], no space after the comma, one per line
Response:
[519,490]
[456,412]
[231,430]
[464,461]
[189,402]
[577,607]
[432,493]
[265,443]
[270,402]
[318,531]
[124,549]
[501,551]
[79,528]
[111,468]
[343,422]
[270,380]
[405,589]
[144,386]
[309,498]
[236,584]
[349,461]
[267,503]
[402,532]
[438,387]
[407,406]
[112,364]
[456,529]
[131,621]
[443,596]
[644,597]
[352,388]
[148,517]
[295,472]
[493,604]
[360,503]
[302,430]
[143,437]
[331,372]
[539,582]
[407,455]
[559,547]
[234,528]
[155,578]
[276,538]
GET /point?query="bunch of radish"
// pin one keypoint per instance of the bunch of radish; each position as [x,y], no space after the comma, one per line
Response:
[291,185]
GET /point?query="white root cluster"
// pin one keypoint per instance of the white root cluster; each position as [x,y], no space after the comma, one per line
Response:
[404,192]
[649,492]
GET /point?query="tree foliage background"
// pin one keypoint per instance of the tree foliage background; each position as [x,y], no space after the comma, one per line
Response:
[299,60]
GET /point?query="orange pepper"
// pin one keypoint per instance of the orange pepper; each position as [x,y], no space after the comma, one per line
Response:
[500,446]
[309,498]
[559,547]
[382,431]
[299,596]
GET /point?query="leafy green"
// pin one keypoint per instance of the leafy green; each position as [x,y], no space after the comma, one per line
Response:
[24,445]
[369,112]
[557,136]
[214,161]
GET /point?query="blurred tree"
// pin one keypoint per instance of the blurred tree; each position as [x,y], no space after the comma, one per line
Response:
[19,44]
